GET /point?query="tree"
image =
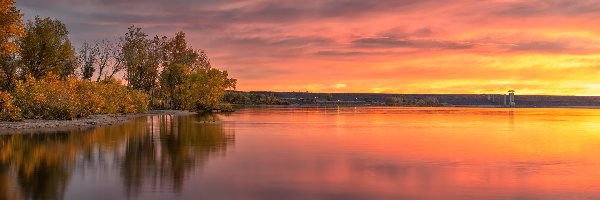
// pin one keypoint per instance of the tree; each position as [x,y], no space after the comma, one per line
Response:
[12,27]
[141,58]
[105,52]
[117,57]
[394,101]
[204,89]
[46,48]
[8,72]
[171,79]
[178,52]
[329,97]
[88,57]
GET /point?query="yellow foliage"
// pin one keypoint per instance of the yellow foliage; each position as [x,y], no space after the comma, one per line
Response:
[48,98]
[12,27]
[92,102]
[8,111]
[52,98]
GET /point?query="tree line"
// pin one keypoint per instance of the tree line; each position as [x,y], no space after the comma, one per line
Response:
[43,76]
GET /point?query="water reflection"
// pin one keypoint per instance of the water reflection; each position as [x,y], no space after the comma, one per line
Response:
[316,153]
[157,151]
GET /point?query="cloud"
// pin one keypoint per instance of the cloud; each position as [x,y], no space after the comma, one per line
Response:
[548,8]
[285,44]
[393,42]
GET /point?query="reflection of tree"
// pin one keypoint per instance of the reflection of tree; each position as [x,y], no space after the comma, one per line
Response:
[159,150]
[48,181]
[41,164]
[169,149]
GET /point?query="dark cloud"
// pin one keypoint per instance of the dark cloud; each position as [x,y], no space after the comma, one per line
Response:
[539,46]
[547,45]
[549,7]
[343,53]
[393,42]
[258,72]
[138,11]
[285,47]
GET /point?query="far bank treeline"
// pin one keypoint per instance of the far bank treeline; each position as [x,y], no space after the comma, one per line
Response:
[42,76]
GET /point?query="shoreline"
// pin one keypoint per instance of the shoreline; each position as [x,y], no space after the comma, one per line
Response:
[39,125]
[441,106]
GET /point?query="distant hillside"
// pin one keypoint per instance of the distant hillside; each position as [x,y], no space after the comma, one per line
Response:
[492,100]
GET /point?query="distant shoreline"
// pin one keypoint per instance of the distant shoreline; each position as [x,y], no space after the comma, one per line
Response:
[37,126]
[447,100]
[443,106]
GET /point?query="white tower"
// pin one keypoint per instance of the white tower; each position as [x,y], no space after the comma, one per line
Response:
[511,98]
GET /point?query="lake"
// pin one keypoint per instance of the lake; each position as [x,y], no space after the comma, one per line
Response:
[315,153]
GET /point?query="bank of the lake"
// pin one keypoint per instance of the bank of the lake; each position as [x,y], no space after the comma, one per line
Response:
[33,125]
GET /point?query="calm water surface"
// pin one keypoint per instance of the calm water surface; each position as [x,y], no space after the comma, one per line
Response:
[315,153]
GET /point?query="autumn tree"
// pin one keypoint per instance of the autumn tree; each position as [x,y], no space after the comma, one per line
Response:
[46,48]
[171,81]
[88,58]
[178,52]
[12,29]
[141,58]
[9,66]
[105,57]
[110,59]
[205,89]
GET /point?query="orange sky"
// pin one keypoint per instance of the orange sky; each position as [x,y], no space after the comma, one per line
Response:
[396,46]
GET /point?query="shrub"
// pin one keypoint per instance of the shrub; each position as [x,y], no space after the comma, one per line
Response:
[139,100]
[114,95]
[8,110]
[48,98]
[52,98]
[92,102]
[394,101]
[118,99]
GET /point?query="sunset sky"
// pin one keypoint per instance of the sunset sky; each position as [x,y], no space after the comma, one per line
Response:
[395,46]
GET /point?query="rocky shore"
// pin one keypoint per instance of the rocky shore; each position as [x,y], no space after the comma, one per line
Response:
[29,126]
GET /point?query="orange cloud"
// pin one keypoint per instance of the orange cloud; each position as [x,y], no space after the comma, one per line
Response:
[399,46]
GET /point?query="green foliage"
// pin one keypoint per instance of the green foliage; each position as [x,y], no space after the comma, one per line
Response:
[47,98]
[237,97]
[394,101]
[400,101]
[46,48]
[429,101]
[171,80]
[139,101]
[249,98]
[8,72]
[187,81]
[47,90]
[204,89]
[111,97]
[8,110]
[329,97]
[176,51]
[52,98]
[118,99]
[142,57]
